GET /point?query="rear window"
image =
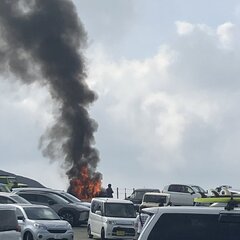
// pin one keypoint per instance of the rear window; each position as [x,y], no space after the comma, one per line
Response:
[8,220]
[154,199]
[194,227]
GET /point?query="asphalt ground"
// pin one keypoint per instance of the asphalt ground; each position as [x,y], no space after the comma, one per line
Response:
[80,233]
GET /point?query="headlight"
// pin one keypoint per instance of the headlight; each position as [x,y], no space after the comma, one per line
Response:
[111,222]
[68,225]
[40,226]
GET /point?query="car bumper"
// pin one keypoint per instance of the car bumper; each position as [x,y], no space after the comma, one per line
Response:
[45,235]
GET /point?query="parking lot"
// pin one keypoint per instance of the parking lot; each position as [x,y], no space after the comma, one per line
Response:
[80,233]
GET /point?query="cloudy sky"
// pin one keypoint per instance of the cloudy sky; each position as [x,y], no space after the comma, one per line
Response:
[167,78]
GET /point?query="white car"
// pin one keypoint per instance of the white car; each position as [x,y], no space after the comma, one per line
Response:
[41,222]
[9,228]
[111,219]
[182,194]
[9,198]
[191,223]
[153,199]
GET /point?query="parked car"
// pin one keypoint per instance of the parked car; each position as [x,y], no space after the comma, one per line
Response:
[9,228]
[41,222]
[181,194]
[154,199]
[10,198]
[75,214]
[191,223]
[137,195]
[69,197]
[111,218]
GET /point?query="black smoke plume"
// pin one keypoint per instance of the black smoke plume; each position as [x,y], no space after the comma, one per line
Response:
[43,40]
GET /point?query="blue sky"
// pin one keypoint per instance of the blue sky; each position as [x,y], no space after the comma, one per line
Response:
[167,78]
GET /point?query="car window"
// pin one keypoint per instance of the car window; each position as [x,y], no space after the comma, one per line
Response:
[56,198]
[8,220]
[19,213]
[29,197]
[120,210]
[175,188]
[19,199]
[194,227]
[155,198]
[5,200]
[96,206]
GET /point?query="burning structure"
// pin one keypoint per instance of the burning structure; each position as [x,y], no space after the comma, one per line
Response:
[42,40]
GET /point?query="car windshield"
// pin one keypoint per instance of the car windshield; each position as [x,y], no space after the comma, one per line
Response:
[198,189]
[38,213]
[155,198]
[189,226]
[19,199]
[123,210]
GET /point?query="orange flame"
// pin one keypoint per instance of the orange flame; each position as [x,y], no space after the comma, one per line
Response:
[85,187]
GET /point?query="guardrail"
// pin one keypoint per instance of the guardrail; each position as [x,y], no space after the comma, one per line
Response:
[122,193]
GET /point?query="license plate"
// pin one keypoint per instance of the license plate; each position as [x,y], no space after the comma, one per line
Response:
[120,233]
[57,237]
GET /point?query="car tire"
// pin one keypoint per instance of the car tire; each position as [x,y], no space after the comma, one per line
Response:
[68,216]
[89,232]
[28,236]
[103,234]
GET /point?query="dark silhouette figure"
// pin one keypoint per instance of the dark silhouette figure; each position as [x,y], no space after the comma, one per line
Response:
[109,191]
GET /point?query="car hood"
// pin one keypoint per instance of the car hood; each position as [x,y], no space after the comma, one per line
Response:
[54,224]
[79,207]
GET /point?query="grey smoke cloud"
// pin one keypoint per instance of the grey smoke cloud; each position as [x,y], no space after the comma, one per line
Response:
[40,41]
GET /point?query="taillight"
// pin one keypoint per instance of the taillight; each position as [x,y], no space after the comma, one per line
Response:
[18,229]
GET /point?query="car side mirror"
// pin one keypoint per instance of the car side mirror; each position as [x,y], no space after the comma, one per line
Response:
[22,218]
[98,212]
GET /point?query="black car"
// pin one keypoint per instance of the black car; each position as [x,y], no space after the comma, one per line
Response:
[75,214]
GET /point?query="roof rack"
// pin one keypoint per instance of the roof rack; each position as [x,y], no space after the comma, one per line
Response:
[230,200]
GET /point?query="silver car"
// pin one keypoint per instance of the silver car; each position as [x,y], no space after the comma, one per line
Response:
[41,222]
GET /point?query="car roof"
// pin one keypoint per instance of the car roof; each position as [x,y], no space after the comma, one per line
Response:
[8,194]
[188,209]
[21,205]
[146,189]
[157,193]
[112,200]
[33,189]
[7,206]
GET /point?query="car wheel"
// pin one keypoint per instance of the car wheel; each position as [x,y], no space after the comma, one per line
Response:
[68,216]
[89,232]
[103,234]
[28,236]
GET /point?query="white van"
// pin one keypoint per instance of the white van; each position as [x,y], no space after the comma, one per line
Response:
[111,219]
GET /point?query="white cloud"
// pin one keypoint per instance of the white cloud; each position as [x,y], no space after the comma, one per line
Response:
[173,106]
[184,27]
[226,33]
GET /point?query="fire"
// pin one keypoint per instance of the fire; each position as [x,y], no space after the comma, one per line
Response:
[85,187]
